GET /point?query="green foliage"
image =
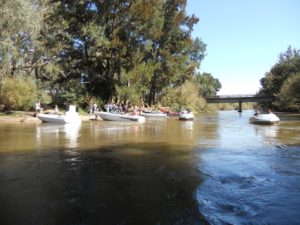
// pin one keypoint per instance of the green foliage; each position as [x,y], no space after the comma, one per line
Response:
[278,81]
[232,106]
[71,92]
[18,93]
[288,64]
[128,94]
[289,94]
[184,97]
[126,49]
[207,84]
[19,26]
[144,44]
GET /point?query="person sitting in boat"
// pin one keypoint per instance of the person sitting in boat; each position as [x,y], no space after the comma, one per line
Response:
[256,113]
[189,110]
[135,111]
[269,111]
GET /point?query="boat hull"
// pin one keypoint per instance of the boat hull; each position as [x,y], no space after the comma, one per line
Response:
[186,116]
[264,119]
[54,118]
[154,115]
[119,117]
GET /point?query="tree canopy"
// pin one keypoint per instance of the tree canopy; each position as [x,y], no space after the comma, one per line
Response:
[103,49]
[282,79]
[124,47]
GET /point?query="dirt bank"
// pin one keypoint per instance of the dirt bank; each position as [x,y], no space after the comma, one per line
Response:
[28,117]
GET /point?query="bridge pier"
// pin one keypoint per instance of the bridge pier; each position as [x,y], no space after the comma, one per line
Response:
[240,106]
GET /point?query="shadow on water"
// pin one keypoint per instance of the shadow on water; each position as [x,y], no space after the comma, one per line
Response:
[125,184]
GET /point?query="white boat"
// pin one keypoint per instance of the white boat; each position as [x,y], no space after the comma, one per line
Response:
[264,119]
[70,116]
[119,117]
[154,114]
[186,115]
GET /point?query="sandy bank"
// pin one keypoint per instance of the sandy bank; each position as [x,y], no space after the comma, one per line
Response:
[30,118]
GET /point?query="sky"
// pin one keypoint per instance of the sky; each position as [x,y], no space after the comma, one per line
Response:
[244,38]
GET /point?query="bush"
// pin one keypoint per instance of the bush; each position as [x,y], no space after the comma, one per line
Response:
[184,97]
[289,94]
[18,93]
[128,94]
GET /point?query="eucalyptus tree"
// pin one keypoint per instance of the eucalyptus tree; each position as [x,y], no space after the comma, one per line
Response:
[174,50]
[19,27]
[91,39]
[131,48]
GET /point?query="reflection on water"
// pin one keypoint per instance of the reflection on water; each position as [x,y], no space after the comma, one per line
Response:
[217,169]
[63,134]
[187,125]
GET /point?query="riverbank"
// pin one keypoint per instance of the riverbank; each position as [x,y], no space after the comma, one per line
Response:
[29,117]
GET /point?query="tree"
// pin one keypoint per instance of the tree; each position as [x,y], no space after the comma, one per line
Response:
[18,93]
[175,50]
[287,65]
[278,80]
[207,84]
[183,97]
[289,94]
[19,27]
[116,45]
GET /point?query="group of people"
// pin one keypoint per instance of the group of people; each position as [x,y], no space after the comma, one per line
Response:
[122,108]
[38,108]
[111,107]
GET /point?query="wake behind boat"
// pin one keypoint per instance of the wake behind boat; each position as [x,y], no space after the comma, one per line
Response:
[264,119]
[70,116]
[109,116]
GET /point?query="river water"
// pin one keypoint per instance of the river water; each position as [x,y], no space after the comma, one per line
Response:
[218,169]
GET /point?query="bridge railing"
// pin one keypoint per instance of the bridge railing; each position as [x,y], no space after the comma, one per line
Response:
[234,96]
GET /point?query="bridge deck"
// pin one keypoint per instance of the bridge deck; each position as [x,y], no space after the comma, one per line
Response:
[239,99]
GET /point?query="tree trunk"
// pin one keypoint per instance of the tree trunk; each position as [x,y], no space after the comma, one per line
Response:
[152,90]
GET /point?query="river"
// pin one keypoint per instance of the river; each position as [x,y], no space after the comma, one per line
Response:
[218,169]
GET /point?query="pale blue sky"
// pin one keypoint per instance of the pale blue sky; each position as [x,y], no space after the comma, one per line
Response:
[244,38]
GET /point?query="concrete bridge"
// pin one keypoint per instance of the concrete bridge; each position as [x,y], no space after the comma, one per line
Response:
[239,99]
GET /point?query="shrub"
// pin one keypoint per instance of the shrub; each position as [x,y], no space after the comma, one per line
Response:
[184,97]
[289,94]
[128,94]
[18,93]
